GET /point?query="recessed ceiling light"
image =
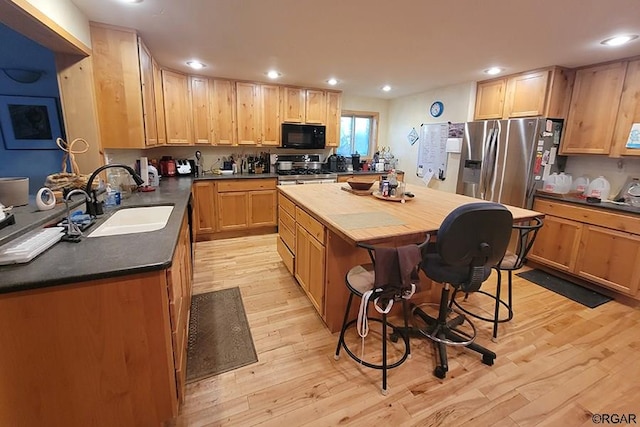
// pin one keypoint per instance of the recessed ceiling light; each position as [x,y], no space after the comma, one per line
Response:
[493,70]
[131,1]
[273,74]
[332,82]
[196,65]
[618,40]
[386,88]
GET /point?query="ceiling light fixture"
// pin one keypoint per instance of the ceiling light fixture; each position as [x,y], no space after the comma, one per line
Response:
[332,82]
[619,40]
[273,74]
[131,1]
[493,70]
[386,88]
[196,65]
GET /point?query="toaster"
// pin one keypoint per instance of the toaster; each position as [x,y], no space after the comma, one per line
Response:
[183,167]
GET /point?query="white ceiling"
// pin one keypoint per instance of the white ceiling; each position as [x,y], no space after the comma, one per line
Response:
[412,45]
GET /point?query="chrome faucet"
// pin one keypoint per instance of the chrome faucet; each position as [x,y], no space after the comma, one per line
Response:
[73,231]
[93,206]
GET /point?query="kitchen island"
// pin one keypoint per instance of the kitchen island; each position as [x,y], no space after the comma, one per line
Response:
[94,333]
[320,226]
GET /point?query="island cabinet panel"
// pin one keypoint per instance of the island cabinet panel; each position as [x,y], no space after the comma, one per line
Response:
[205,207]
[597,245]
[178,114]
[593,110]
[309,266]
[287,231]
[223,112]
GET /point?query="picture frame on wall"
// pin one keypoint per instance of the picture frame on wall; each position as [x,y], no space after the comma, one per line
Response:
[30,122]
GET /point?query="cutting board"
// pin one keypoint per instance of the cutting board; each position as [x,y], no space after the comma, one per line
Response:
[358,192]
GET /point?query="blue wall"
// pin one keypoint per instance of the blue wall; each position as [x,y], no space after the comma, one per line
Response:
[17,51]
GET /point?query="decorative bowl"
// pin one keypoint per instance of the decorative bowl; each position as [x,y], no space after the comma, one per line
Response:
[362,184]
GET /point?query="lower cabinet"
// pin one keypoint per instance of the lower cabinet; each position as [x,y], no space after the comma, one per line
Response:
[301,245]
[105,352]
[232,205]
[597,245]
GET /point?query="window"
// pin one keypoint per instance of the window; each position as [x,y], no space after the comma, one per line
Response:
[358,133]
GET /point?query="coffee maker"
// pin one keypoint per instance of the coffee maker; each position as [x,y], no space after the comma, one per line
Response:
[355,162]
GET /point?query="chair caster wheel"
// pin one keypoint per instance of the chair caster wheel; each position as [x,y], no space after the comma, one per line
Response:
[488,360]
[440,372]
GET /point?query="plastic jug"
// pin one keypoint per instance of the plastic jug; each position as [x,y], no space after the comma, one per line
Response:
[551,183]
[599,188]
[563,183]
[580,184]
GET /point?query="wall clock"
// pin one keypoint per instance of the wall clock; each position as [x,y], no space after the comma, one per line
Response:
[436,109]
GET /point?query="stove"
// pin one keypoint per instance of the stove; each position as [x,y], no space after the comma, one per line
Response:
[304,170]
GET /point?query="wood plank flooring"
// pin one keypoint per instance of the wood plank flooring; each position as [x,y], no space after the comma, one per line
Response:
[558,361]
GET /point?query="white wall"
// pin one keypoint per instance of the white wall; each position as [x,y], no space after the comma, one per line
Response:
[412,111]
[615,171]
[67,15]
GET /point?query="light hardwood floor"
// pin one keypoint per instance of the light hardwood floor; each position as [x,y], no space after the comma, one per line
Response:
[558,361]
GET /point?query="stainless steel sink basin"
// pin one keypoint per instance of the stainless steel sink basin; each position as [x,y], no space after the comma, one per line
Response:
[134,220]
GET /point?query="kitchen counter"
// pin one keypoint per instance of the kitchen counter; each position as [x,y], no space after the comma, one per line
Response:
[208,177]
[583,202]
[99,257]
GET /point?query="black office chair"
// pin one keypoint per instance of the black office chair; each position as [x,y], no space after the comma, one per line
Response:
[512,261]
[387,279]
[471,240]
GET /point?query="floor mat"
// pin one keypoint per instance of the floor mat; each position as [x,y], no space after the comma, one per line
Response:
[219,335]
[565,288]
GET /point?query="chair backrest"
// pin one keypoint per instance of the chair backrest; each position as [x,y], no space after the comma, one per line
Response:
[526,234]
[475,235]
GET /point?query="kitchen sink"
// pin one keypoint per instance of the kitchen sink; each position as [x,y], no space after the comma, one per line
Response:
[134,220]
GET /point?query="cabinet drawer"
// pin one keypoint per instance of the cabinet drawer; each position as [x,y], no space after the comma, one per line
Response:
[287,235]
[287,205]
[315,228]
[246,185]
[288,220]
[286,255]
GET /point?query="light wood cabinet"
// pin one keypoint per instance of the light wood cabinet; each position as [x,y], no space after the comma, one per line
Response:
[293,109]
[315,106]
[628,111]
[200,109]
[306,105]
[535,93]
[271,103]
[310,258]
[248,113]
[118,89]
[597,245]
[223,111]
[204,217]
[594,108]
[148,95]
[106,352]
[177,108]
[244,204]
[159,102]
[334,114]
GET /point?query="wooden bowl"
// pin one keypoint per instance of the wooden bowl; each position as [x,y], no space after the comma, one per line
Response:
[360,183]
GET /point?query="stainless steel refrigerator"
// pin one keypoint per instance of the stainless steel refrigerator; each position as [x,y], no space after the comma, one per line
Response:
[505,161]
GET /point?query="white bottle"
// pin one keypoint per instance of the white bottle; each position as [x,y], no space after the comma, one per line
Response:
[154,177]
[599,188]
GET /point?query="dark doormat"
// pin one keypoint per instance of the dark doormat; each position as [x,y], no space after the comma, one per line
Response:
[219,335]
[565,288]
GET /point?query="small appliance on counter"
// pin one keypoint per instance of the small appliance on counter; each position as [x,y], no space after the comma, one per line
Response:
[183,167]
[355,162]
[167,166]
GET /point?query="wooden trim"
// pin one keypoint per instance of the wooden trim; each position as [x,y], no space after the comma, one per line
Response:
[375,116]
[23,17]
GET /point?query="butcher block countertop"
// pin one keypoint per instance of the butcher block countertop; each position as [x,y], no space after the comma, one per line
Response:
[359,219]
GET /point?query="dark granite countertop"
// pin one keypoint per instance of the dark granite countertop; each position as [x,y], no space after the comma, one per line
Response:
[101,257]
[579,201]
[208,177]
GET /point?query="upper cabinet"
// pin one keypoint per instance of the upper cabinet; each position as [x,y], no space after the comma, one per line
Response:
[270,106]
[223,111]
[594,109]
[118,86]
[304,105]
[334,113]
[535,93]
[201,110]
[248,113]
[177,108]
[159,102]
[628,112]
[148,95]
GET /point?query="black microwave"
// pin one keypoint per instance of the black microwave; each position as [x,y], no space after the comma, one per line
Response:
[303,137]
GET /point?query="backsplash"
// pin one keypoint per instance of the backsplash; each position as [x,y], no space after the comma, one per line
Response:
[615,171]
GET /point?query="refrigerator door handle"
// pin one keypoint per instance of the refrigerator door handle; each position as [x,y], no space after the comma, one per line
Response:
[488,163]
